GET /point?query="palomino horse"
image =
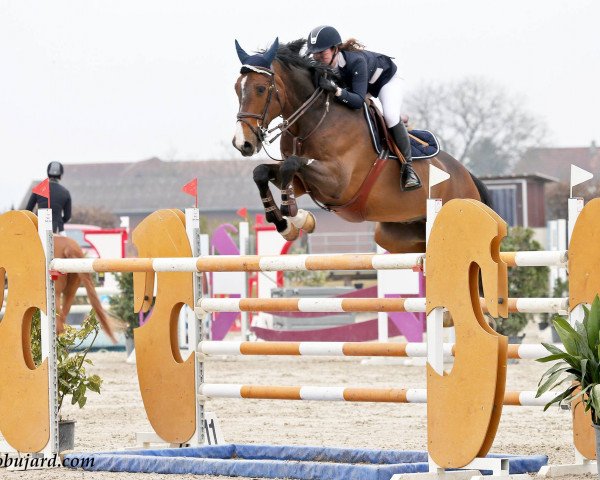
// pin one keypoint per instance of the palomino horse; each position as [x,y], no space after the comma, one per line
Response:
[66,288]
[329,154]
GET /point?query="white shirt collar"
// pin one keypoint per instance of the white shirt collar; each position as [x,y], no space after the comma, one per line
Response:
[341,60]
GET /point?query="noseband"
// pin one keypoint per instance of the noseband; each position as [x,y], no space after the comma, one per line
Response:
[262,133]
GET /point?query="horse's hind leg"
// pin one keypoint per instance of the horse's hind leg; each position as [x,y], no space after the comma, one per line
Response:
[59,286]
[73,283]
[262,175]
[300,218]
[401,237]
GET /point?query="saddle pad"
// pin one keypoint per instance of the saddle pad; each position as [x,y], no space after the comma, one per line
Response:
[419,151]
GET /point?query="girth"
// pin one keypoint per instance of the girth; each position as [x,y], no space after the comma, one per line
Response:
[355,209]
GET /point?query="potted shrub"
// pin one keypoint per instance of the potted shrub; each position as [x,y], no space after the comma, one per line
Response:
[578,365]
[71,365]
[121,306]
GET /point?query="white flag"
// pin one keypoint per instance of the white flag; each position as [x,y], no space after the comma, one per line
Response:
[436,176]
[579,175]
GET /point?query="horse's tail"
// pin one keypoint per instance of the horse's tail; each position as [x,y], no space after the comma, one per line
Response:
[484,193]
[106,321]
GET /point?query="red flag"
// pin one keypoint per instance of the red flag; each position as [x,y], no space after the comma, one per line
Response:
[243,212]
[43,190]
[259,219]
[191,188]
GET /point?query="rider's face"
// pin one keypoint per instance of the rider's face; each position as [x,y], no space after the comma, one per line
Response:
[325,56]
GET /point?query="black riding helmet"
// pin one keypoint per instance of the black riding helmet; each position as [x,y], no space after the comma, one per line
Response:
[322,38]
[55,170]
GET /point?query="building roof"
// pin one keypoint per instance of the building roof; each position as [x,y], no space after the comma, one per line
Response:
[145,186]
[536,177]
[557,161]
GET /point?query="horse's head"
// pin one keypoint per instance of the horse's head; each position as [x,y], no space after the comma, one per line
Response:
[259,99]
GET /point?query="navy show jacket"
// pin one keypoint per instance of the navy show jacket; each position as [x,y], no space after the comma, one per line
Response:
[363,72]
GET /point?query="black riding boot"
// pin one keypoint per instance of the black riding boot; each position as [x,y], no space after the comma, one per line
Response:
[409,180]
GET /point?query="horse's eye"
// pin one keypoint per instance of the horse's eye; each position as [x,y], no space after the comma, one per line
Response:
[261,89]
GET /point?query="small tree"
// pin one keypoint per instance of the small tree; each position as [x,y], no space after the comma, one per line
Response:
[522,281]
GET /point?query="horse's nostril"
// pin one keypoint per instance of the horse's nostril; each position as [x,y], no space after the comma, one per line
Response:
[247,148]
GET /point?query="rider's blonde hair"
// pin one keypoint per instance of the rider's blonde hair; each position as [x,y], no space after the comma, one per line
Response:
[351,45]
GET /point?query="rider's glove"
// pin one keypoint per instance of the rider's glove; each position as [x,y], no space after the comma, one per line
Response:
[328,85]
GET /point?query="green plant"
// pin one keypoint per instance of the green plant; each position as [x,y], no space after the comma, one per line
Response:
[578,364]
[71,365]
[523,281]
[121,305]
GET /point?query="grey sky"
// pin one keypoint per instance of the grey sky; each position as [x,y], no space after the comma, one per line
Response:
[101,81]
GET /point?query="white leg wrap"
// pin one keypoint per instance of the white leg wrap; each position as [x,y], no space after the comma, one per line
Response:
[289,227]
[300,218]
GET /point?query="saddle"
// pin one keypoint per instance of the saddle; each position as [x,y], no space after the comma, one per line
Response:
[424,143]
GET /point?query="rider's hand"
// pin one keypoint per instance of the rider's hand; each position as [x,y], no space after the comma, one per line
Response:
[328,85]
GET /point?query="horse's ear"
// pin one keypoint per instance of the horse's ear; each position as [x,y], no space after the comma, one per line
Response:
[242,55]
[269,55]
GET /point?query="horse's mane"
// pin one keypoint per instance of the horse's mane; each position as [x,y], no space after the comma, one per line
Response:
[288,54]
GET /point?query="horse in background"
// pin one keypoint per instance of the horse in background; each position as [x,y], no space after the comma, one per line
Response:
[66,289]
[328,153]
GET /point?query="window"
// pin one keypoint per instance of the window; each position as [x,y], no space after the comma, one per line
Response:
[504,202]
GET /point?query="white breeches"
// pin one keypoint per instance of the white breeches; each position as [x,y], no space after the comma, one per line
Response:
[391,96]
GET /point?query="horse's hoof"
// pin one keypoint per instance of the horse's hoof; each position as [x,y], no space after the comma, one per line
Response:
[304,221]
[291,233]
[310,223]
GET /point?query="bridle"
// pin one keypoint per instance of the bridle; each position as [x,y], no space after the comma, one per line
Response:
[262,132]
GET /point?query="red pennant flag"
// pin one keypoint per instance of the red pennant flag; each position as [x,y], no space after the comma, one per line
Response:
[43,190]
[191,188]
[243,212]
[259,219]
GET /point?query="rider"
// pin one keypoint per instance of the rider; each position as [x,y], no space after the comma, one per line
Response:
[365,72]
[60,199]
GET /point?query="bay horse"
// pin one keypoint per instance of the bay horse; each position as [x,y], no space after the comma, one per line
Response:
[66,288]
[328,153]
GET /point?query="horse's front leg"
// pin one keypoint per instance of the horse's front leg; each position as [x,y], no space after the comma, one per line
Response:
[263,174]
[300,218]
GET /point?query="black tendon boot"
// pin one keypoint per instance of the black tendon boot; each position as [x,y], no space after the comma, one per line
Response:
[408,178]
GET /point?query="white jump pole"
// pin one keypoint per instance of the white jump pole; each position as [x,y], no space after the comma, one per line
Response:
[48,331]
[435,320]
[578,176]
[576,204]
[195,325]
[557,240]
[244,240]
[382,317]
[192,229]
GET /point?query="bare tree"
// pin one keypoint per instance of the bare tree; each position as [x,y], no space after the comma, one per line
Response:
[556,203]
[477,121]
[94,216]
[557,194]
